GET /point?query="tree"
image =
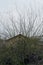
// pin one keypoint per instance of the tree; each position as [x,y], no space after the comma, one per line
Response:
[31,19]
[27,25]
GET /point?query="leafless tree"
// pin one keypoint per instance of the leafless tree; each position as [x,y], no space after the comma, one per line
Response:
[27,25]
[31,29]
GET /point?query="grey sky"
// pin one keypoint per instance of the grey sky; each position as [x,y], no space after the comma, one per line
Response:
[9,4]
[22,5]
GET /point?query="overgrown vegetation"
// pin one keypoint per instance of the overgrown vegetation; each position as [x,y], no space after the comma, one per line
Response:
[21,51]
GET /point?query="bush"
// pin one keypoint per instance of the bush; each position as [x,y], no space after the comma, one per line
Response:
[17,52]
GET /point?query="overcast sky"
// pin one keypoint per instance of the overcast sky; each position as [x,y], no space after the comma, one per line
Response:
[22,5]
[9,4]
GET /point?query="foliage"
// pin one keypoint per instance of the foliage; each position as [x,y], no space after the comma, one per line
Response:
[15,53]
